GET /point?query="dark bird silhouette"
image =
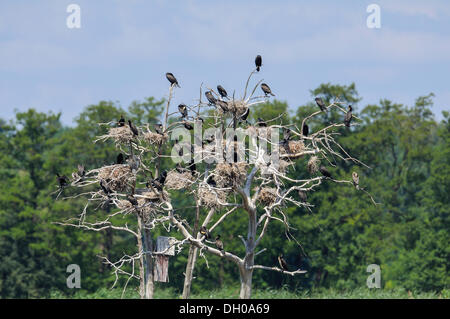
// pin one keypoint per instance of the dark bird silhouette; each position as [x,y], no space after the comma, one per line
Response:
[320,104]
[204,232]
[132,200]
[222,91]
[158,128]
[210,181]
[282,262]
[105,187]
[266,89]
[180,169]
[258,62]
[133,128]
[348,116]
[188,126]
[244,115]
[302,196]
[209,139]
[155,184]
[324,171]
[62,180]
[121,121]
[355,178]
[223,105]
[287,134]
[162,177]
[192,167]
[210,97]
[261,122]
[172,79]
[182,108]
[120,159]
[81,171]
[305,130]
[219,243]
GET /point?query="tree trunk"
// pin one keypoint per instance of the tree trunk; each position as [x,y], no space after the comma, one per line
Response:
[246,282]
[249,260]
[192,258]
[141,259]
[149,279]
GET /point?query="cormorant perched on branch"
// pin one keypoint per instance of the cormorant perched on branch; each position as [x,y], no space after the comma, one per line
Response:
[133,128]
[81,171]
[172,79]
[324,171]
[192,167]
[287,134]
[305,130]
[282,262]
[355,178]
[261,122]
[105,187]
[182,108]
[222,91]
[121,121]
[62,180]
[348,116]
[158,183]
[219,243]
[204,232]
[188,126]
[132,200]
[223,105]
[120,159]
[210,97]
[320,104]
[258,62]
[158,128]
[266,89]
[244,115]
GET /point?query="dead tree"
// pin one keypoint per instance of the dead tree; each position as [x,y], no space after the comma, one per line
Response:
[229,165]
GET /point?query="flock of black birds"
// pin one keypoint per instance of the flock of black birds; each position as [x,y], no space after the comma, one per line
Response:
[158,183]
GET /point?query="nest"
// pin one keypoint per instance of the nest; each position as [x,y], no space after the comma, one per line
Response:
[146,203]
[293,148]
[119,177]
[211,198]
[229,174]
[155,138]
[313,164]
[238,107]
[283,166]
[176,180]
[121,135]
[267,196]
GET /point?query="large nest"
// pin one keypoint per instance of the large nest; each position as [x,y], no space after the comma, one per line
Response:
[313,164]
[230,174]
[120,135]
[238,107]
[119,177]
[292,148]
[177,180]
[267,195]
[211,198]
[155,138]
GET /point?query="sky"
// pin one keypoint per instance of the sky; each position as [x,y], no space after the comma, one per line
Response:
[124,48]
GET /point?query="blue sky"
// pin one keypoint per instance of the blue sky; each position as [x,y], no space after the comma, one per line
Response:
[124,48]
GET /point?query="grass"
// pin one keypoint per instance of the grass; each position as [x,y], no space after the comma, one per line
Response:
[233,292]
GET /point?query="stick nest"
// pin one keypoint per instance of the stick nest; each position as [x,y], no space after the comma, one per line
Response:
[292,148]
[155,138]
[119,177]
[211,198]
[313,164]
[267,196]
[176,180]
[120,135]
[230,174]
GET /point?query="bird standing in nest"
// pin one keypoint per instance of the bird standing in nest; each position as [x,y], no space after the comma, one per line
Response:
[172,79]
[105,187]
[120,159]
[219,243]
[159,128]
[223,105]
[121,122]
[282,262]
[222,91]
[261,122]
[348,116]
[182,108]
[188,126]
[266,89]
[244,116]
[133,128]
[258,62]
[132,200]
[320,104]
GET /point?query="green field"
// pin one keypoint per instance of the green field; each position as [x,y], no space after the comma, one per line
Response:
[233,292]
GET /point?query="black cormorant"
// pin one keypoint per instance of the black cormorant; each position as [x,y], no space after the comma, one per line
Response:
[172,79]
[204,232]
[266,89]
[133,128]
[305,130]
[158,128]
[121,121]
[282,262]
[324,171]
[348,116]
[355,178]
[320,104]
[120,159]
[258,62]
[222,91]
[219,243]
[182,108]
[210,97]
